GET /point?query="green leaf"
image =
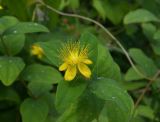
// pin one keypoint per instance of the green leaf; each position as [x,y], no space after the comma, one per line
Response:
[51,51]
[6,22]
[74,3]
[39,88]
[105,66]
[149,30]
[9,94]
[145,63]
[10,68]
[13,43]
[157,35]
[88,39]
[98,5]
[88,104]
[138,119]
[152,34]
[17,8]
[26,27]
[50,100]
[34,110]
[115,12]
[42,74]
[68,93]
[156,84]
[145,111]
[131,74]
[63,4]
[140,16]
[102,116]
[156,42]
[156,47]
[51,118]
[119,104]
[85,110]
[53,18]
[134,85]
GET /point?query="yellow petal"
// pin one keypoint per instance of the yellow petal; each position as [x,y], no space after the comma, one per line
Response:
[34,52]
[70,73]
[84,70]
[39,56]
[63,67]
[87,61]
[37,50]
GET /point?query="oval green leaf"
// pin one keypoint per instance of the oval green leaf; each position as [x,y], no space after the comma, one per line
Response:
[10,68]
[41,73]
[34,110]
[13,43]
[105,65]
[140,16]
[119,104]
[26,27]
[68,93]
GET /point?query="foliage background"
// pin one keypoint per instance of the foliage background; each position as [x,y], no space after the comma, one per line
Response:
[135,23]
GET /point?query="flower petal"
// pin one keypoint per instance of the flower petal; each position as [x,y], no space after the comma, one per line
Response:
[87,61]
[40,56]
[84,70]
[63,67]
[34,52]
[70,73]
[37,50]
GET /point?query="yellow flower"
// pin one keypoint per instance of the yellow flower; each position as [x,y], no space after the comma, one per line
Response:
[37,50]
[1,7]
[74,58]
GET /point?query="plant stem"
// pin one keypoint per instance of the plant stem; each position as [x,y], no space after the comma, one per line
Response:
[146,88]
[143,93]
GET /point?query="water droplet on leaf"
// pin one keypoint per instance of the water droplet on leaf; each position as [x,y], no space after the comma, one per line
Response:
[14,31]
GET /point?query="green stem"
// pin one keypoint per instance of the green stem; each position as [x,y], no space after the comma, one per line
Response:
[144,92]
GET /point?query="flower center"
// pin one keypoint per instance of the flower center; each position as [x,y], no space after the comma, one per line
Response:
[74,59]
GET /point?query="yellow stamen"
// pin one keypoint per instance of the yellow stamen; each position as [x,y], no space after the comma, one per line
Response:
[74,58]
[37,51]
